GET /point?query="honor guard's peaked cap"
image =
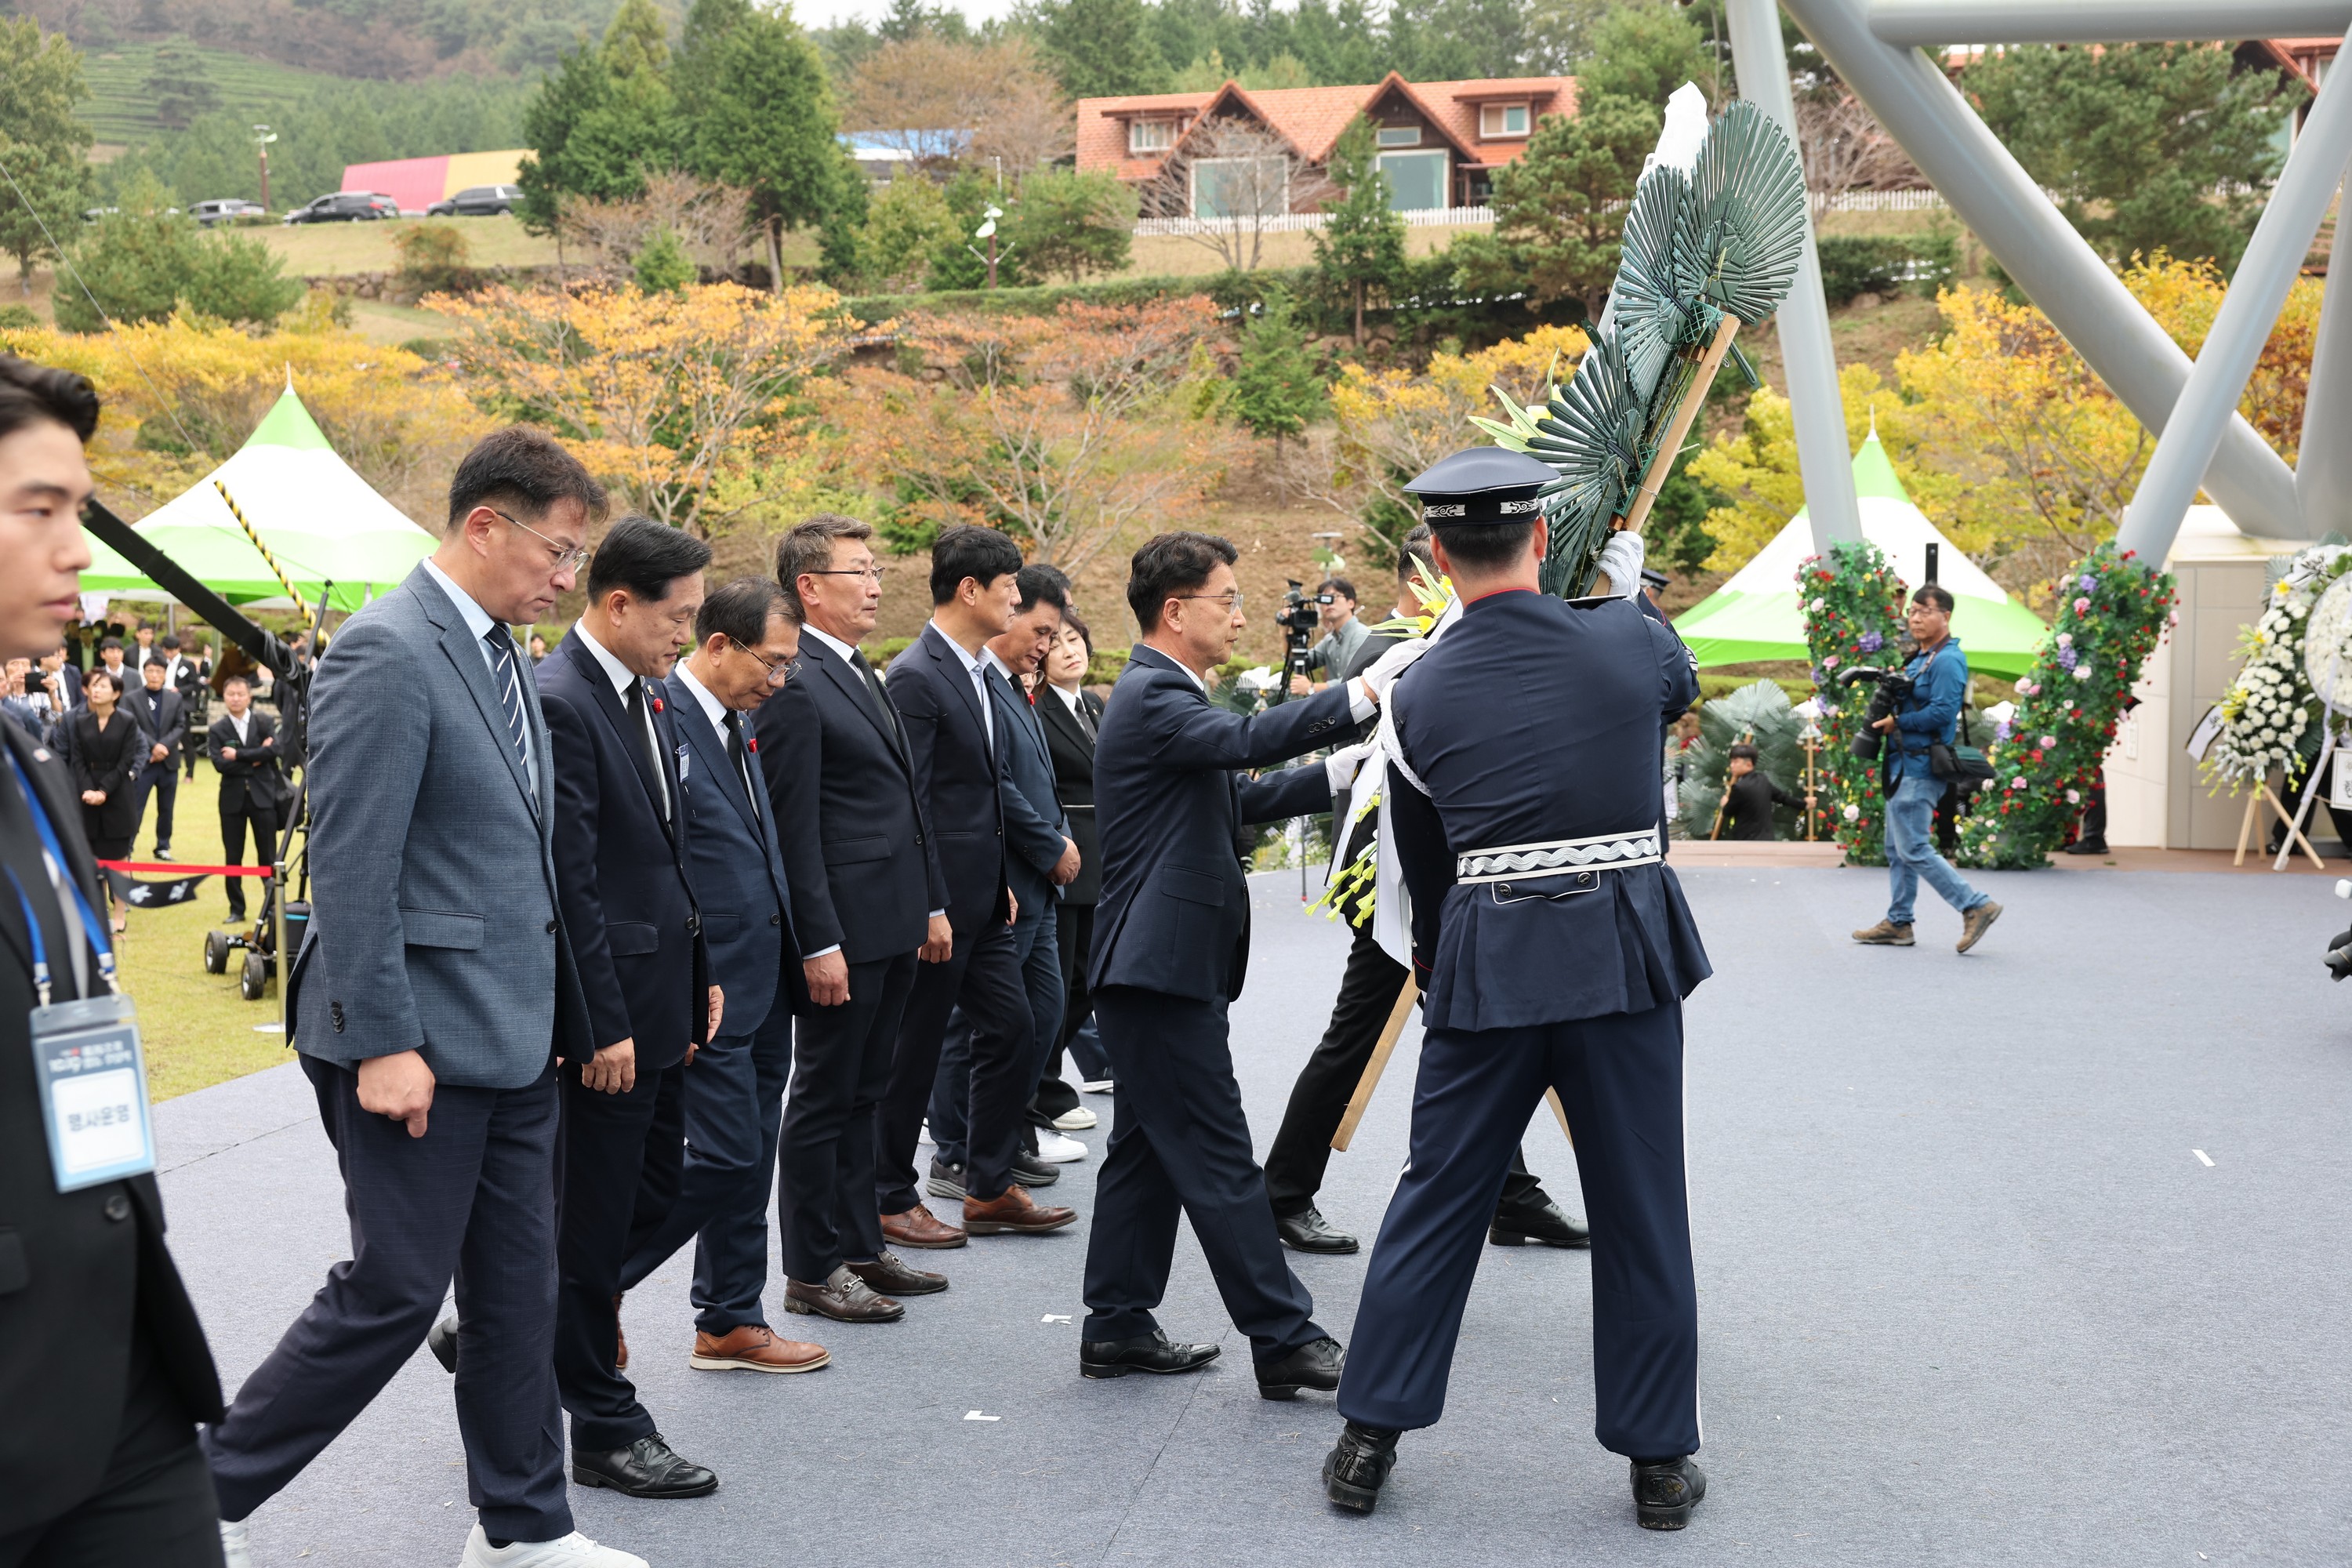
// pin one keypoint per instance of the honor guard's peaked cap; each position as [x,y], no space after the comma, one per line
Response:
[1483,484]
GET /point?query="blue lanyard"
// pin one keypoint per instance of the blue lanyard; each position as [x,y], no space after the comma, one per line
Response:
[94,928]
[41,948]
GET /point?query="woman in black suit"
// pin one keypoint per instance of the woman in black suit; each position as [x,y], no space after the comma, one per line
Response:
[1071,716]
[108,752]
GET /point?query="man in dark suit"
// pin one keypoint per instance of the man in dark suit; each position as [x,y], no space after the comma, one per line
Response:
[433,994]
[1171,946]
[734,1097]
[155,705]
[106,1371]
[1554,949]
[1040,858]
[938,688]
[1524,1215]
[242,745]
[620,858]
[186,677]
[855,853]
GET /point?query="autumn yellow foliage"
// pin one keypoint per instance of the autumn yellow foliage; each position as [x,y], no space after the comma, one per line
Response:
[679,401]
[180,396]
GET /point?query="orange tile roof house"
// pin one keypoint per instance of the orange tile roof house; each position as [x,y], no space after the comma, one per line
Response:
[1440,141]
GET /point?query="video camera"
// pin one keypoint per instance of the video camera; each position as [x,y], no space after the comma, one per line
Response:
[1300,618]
[2339,949]
[1890,690]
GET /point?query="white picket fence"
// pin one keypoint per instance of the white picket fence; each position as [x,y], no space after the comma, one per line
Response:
[1461,217]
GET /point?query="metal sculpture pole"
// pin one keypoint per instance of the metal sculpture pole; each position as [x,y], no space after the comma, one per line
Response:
[2323,466]
[1809,359]
[2257,291]
[1931,22]
[1992,194]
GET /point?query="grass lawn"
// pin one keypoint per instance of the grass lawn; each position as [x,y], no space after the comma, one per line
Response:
[380,323]
[325,249]
[120,108]
[197,1029]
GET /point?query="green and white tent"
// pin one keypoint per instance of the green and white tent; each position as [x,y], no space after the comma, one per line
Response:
[1755,615]
[321,521]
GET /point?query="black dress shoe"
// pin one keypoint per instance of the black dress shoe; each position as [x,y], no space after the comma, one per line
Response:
[1359,1462]
[1154,1352]
[2096,846]
[1664,1492]
[647,1468]
[1031,1172]
[1315,1364]
[893,1276]
[1308,1231]
[1539,1224]
[443,1342]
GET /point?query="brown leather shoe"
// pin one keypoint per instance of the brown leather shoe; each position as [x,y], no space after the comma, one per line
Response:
[921,1230]
[891,1275]
[843,1296]
[1014,1213]
[621,1359]
[754,1347]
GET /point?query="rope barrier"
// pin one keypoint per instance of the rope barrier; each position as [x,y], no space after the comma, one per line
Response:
[238,513]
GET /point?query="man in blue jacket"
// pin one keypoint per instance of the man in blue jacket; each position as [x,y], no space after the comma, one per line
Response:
[1171,946]
[1939,684]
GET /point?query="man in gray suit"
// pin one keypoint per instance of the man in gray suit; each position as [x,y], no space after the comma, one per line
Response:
[431,1001]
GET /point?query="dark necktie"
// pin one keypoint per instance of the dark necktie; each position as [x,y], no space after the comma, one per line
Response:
[650,739]
[1085,717]
[502,659]
[735,749]
[874,685]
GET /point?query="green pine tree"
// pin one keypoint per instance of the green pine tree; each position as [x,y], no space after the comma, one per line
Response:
[179,87]
[1102,49]
[135,262]
[1359,250]
[44,142]
[601,120]
[663,267]
[1276,392]
[1070,224]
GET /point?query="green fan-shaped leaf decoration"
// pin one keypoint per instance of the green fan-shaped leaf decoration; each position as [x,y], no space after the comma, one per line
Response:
[1590,434]
[1742,230]
[1651,312]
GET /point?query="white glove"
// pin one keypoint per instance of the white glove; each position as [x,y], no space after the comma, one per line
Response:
[1621,559]
[1340,766]
[1392,664]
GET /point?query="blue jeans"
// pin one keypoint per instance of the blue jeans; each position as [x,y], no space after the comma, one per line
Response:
[1911,847]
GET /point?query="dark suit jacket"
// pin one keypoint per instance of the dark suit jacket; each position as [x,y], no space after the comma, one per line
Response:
[1074,781]
[737,870]
[1174,913]
[107,760]
[72,1274]
[254,776]
[856,845]
[162,714]
[620,871]
[1036,831]
[955,771]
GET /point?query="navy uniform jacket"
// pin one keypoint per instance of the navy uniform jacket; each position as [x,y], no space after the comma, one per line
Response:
[736,868]
[620,871]
[856,845]
[955,774]
[1174,911]
[1535,720]
[1034,827]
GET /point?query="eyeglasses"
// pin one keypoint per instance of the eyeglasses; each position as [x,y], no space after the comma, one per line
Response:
[872,572]
[568,558]
[1232,601]
[778,671]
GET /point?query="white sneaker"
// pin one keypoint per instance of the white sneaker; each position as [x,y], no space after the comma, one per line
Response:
[574,1551]
[1076,1121]
[1095,1085]
[234,1547]
[1056,1149]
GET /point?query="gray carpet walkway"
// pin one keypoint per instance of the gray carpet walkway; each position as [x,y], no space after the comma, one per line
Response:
[1969,1294]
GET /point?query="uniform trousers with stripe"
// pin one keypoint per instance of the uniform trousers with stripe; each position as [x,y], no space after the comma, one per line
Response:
[1620,1081]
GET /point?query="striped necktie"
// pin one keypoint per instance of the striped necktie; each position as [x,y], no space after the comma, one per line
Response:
[510,684]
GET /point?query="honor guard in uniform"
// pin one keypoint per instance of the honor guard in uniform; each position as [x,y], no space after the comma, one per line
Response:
[1553,949]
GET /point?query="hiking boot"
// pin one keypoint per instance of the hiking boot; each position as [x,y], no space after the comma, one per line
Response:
[1975,922]
[1885,933]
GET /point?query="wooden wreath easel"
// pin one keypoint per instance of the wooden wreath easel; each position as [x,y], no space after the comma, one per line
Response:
[1360,1101]
[2255,801]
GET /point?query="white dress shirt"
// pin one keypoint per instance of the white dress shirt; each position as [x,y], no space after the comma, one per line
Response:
[479,621]
[241,723]
[622,677]
[974,664]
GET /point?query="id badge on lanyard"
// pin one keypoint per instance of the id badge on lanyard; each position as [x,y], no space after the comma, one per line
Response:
[86,1055]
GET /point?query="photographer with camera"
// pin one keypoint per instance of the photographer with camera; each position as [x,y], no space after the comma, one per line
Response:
[1332,607]
[1909,715]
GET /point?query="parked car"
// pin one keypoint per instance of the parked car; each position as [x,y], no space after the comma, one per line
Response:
[346,207]
[225,209]
[478,201]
